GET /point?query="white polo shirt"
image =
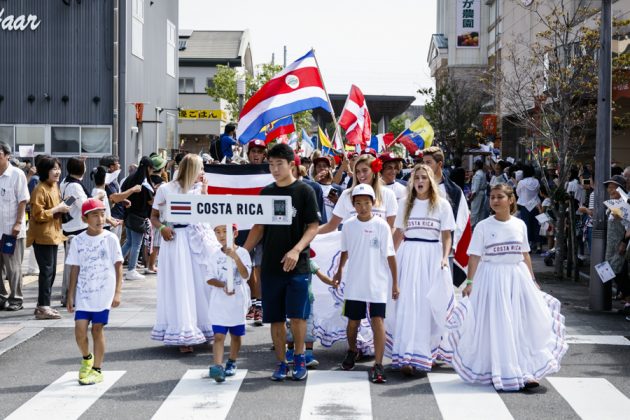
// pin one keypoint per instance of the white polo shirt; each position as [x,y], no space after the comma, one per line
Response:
[13,190]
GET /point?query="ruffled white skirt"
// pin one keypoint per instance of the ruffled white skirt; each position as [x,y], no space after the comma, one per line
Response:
[416,325]
[183,295]
[507,332]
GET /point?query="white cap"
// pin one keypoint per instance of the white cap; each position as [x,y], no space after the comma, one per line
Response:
[363,189]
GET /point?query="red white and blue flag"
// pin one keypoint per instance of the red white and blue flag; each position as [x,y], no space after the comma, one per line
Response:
[181,207]
[355,118]
[297,88]
[237,179]
[276,129]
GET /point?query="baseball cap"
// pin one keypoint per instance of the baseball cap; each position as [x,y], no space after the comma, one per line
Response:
[618,180]
[256,143]
[322,159]
[91,204]
[369,151]
[158,162]
[389,157]
[363,189]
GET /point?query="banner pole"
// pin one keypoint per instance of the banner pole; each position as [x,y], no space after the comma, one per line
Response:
[332,110]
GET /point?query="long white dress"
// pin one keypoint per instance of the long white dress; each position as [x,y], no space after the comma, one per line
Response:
[329,325]
[183,296]
[416,329]
[508,332]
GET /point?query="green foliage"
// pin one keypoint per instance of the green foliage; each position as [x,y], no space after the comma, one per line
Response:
[397,125]
[225,88]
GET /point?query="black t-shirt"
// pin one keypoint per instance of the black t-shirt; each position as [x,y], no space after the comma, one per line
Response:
[280,239]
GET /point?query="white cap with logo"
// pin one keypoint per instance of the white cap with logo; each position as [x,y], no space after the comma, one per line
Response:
[363,189]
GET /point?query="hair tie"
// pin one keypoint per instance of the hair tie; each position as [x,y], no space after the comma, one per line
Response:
[376,166]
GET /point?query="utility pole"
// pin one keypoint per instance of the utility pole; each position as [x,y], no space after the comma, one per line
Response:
[285,56]
[600,294]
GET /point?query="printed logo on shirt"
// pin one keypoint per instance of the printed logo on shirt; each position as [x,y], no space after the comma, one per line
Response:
[374,243]
[504,248]
[424,223]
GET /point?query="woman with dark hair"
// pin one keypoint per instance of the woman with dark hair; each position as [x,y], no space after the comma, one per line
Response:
[72,223]
[137,214]
[44,231]
[528,202]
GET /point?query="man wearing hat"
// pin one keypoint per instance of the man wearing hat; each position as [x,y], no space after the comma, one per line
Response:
[256,151]
[14,195]
[392,165]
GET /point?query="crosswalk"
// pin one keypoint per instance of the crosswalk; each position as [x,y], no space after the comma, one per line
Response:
[328,394]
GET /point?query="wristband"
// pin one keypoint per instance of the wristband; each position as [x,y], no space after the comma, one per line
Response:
[161,227]
[469,282]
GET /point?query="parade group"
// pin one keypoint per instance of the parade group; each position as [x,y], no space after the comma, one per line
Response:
[393,271]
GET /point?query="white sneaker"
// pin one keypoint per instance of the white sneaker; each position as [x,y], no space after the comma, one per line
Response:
[133,275]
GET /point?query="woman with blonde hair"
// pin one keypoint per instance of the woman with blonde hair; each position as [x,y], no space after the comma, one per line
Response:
[423,241]
[330,325]
[186,256]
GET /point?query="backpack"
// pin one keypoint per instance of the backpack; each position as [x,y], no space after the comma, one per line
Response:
[215,149]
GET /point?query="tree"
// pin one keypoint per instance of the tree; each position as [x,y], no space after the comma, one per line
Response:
[549,88]
[397,124]
[453,112]
[224,87]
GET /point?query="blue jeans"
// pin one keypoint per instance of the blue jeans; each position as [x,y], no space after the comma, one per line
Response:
[132,246]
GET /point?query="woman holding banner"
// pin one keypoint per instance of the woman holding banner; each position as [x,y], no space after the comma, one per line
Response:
[329,323]
[186,258]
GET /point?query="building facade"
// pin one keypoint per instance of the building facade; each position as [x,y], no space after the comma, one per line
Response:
[201,118]
[72,72]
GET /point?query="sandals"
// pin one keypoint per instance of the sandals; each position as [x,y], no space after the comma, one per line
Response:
[46,312]
[186,349]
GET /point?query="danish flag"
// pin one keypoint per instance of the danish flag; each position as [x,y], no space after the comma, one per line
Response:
[355,118]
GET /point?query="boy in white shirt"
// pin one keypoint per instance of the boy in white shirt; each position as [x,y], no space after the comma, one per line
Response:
[228,308]
[95,261]
[367,245]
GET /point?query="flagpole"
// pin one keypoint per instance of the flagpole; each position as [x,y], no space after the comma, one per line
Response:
[332,110]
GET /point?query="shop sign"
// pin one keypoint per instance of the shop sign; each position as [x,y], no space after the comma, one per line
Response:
[468,23]
[18,23]
[202,114]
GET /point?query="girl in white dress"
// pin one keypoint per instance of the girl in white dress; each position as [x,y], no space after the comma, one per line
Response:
[186,257]
[329,323]
[507,332]
[423,239]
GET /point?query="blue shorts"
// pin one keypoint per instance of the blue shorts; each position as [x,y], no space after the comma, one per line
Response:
[285,296]
[237,330]
[101,317]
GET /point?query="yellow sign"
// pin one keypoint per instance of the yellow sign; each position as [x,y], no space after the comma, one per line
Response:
[202,114]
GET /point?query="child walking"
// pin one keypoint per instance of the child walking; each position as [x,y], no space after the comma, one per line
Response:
[367,245]
[424,225]
[95,261]
[507,333]
[228,308]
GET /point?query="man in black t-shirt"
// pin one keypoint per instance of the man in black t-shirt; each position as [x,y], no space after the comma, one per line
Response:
[285,261]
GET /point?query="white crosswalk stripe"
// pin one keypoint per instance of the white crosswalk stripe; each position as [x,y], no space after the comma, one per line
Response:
[459,400]
[581,393]
[196,396]
[327,395]
[336,395]
[65,399]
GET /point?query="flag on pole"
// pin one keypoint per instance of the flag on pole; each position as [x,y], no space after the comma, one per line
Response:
[323,138]
[237,179]
[297,88]
[337,141]
[293,141]
[355,118]
[307,144]
[381,142]
[418,136]
[279,127]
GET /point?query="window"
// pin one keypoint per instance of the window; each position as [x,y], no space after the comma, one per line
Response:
[171,51]
[210,82]
[27,136]
[137,27]
[186,85]
[65,140]
[96,140]
[6,135]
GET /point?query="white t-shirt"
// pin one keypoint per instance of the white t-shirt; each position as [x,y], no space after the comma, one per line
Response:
[95,256]
[13,190]
[75,190]
[399,190]
[225,310]
[173,187]
[105,200]
[527,190]
[388,206]
[368,245]
[500,242]
[426,224]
